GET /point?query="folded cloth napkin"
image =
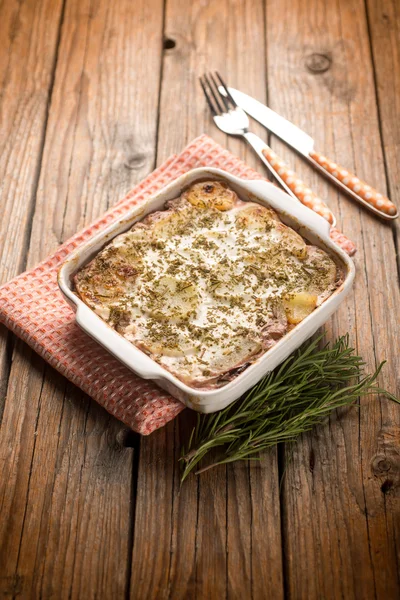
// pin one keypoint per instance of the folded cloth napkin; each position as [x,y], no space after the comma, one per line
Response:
[32,306]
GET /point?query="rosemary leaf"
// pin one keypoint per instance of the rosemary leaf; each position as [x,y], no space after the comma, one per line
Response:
[287,402]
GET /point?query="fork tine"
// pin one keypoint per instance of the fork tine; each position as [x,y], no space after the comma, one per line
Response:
[223,84]
[215,94]
[208,98]
[221,96]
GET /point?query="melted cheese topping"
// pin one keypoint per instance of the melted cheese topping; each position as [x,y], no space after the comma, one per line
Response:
[208,285]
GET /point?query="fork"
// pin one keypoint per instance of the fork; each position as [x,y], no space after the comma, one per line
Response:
[231,119]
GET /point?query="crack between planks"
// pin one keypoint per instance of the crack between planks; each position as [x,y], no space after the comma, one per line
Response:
[280,451]
[251,530]
[265,12]
[380,128]
[26,236]
[70,593]
[132,512]
[26,239]
[357,344]
[162,49]
[361,465]
[281,458]
[6,77]
[31,212]
[226,533]
[30,475]
[332,435]
[397,251]
[97,101]
[172,512]
[365,502]
[397,554]
[54,480]
[373,346]
[6,370]
[196,540]
[78,106]
[137,445]
[56,471]
[375,79]
[110,168]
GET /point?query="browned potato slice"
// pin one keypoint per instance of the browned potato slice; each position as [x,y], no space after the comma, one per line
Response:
[182,347]
[322,271]
[240,349]
[264,220]
[230,289]
[212,194]
[172,299]
[298,306]
[291,240]
[112,273]
[256,218]
[166,224]
[137,235]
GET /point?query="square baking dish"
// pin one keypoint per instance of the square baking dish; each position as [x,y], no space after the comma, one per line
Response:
[307,223]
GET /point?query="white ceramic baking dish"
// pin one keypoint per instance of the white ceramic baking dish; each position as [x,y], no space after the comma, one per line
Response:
[313,227]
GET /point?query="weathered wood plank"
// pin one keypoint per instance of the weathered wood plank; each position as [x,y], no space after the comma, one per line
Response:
[67,498]
[66,503]
[28,42]
[384,25]
[338,524]
[219,535]
[384,29]
[26,74]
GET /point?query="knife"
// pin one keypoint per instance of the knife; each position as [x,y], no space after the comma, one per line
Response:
[304,144]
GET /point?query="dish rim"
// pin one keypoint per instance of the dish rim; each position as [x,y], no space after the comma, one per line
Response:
[260,191]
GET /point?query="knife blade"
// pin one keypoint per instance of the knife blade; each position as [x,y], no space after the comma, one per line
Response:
[289,133]
[304,144]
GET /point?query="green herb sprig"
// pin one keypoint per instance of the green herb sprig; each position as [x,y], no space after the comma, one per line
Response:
[287,402]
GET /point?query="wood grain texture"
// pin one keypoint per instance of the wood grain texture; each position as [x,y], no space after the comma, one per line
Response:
[66,480]
[26,74]
[384,29]
[340,538]
[89,103]
[28,45]
[206,539]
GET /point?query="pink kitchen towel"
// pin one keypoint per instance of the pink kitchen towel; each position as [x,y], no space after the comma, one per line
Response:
[32,306]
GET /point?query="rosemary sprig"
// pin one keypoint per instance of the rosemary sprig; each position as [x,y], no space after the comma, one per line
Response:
[287,402]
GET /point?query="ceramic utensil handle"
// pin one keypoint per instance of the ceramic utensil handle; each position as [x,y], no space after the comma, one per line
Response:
[341,240]
[288,180]
[299,189]
[355,187]
[307,197]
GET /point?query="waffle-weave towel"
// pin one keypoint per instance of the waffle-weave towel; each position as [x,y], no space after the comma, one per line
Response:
[32,306]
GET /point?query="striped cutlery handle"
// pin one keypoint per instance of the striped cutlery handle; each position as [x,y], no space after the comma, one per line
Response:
[307,197]
[357,188]
[299,189]
[341,240]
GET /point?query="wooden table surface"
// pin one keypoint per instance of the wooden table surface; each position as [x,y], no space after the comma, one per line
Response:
[93,95]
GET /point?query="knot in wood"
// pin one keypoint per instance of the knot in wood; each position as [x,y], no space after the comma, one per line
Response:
[136,161]
[126,438]
[318,63]
[380,464]
[387,486]
[169,43]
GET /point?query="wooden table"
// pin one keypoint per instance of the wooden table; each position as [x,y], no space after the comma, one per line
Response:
[95,94]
